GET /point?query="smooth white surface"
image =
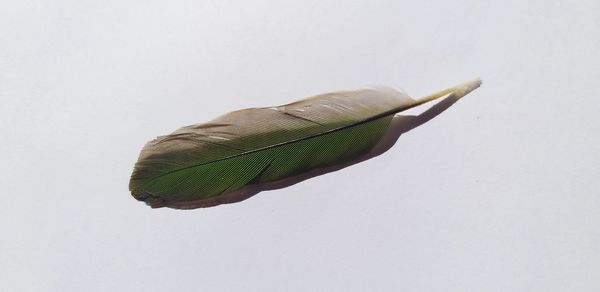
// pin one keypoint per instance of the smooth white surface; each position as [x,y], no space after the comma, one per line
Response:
[499,193]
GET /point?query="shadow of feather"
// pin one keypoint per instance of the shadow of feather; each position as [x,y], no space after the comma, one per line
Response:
[400,124]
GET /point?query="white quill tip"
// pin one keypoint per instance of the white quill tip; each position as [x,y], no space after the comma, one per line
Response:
[458,91]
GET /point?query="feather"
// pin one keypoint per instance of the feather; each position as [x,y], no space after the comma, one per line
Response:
[201,162]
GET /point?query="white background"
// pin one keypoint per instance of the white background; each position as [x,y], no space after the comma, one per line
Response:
[501,192]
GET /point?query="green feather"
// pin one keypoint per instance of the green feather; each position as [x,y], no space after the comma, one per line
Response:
[202,162]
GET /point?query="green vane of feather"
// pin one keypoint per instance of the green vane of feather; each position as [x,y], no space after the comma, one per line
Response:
[257,145]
